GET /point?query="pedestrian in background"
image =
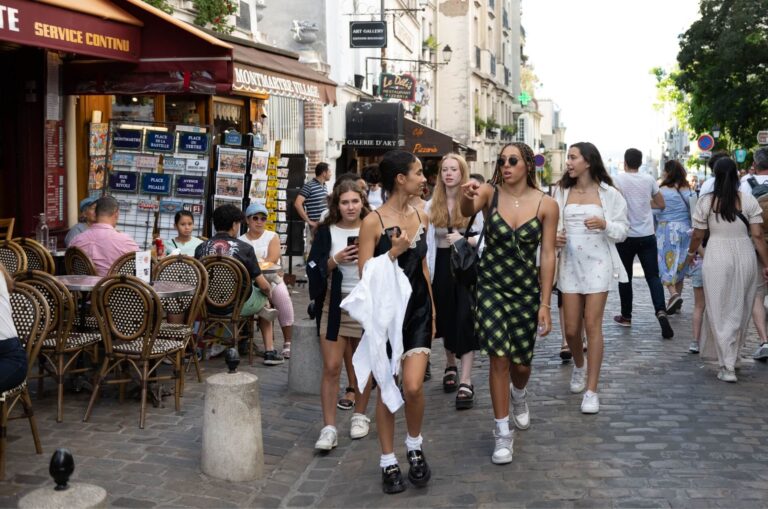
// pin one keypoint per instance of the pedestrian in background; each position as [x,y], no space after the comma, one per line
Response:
[333,273]
[730,269]
[673,234]
[513,295]
[398,230]
[87,218]
[312,201]
[593,218]
[641,193]
[453,301]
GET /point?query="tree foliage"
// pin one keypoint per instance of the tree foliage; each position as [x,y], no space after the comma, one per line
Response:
[163,5]
[722,59]
[670,98]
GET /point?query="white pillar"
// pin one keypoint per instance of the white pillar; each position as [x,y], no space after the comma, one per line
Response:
[70,157]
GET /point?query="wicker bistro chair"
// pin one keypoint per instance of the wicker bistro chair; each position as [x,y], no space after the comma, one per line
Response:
[183,269]
[38,256]
[228,288]
[12,256]
[77,263]
[62,346]
[129,313]
[6,228]
[31,318]
[126,264]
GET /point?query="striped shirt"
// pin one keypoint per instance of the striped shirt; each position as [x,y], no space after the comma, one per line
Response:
[315,198]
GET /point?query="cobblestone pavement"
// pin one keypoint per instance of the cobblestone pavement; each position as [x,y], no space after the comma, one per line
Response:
[668,434]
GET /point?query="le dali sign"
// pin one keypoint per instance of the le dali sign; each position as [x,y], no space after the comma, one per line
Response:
[398,86]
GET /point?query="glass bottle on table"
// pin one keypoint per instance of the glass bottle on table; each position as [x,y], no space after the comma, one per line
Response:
[41,231]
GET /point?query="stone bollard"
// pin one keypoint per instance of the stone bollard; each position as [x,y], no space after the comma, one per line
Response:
[305,369]
[233,448]
[64,495]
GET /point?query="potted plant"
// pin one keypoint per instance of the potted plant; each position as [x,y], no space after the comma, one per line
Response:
[491,128]
[430,43]
[508,131]
[480,124]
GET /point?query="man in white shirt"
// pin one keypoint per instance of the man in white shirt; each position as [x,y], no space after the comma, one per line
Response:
[760,167]
[709,185]
[642,193]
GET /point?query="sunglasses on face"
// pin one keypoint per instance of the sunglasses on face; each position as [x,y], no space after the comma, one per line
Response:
[512,161]
[258,218]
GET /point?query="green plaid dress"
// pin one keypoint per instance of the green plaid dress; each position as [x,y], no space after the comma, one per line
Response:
[506,312]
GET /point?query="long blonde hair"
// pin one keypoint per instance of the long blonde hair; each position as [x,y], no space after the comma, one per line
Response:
[438,209]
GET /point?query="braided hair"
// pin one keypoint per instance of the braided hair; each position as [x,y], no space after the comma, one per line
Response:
[530,165]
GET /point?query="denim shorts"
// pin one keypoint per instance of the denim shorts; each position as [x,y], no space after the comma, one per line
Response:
[696,279]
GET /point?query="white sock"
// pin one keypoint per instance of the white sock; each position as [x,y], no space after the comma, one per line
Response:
[413,444]
[581,369]
[518,394]
[502,426]
[589,394]
[387,460]
[330,427]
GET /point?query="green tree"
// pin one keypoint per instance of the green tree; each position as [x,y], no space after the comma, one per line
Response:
[668,95]
[722,60]
[163,5]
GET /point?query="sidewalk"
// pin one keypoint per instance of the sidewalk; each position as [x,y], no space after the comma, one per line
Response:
[668,434]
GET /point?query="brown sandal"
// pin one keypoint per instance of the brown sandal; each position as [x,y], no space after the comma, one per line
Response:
[346,403]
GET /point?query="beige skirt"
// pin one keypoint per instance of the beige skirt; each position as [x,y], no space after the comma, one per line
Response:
[348,327]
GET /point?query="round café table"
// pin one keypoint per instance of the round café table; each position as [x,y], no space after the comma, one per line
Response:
[162,288]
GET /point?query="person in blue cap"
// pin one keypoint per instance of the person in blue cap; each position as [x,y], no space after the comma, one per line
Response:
[87,218]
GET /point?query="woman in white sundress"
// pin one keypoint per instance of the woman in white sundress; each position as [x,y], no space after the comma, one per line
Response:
[593,218]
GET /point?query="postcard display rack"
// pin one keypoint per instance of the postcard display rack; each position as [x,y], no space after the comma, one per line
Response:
[155,170]
[263,177]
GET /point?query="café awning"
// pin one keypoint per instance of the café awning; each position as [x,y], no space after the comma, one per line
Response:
[260,72]
[174,57]
[96,28]
[424,141]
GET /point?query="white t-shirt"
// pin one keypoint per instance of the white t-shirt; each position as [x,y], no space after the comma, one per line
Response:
[707,187]
[638,189]
[374,198]
[746,188]
[260,245]
[7,327]
[348,270]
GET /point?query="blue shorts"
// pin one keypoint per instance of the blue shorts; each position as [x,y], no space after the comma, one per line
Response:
[696,279]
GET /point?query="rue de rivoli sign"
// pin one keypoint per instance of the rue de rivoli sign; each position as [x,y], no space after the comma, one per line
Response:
[367,34]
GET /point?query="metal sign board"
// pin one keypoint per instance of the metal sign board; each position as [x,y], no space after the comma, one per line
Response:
[367,34]
[706,142]
[762,137]
[398,86]
[741,155]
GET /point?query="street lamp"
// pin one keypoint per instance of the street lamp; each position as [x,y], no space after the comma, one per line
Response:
[716,131]
[447,54]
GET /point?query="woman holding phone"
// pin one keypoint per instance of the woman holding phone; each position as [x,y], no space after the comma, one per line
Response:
[513,294]
[397,230]
[334,257]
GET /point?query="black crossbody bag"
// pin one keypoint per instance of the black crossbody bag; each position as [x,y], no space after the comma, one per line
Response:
[464,256]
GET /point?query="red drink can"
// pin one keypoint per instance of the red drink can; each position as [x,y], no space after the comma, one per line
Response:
[159,248]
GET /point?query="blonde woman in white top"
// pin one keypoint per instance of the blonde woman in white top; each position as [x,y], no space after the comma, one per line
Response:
[266,244]
[593,218]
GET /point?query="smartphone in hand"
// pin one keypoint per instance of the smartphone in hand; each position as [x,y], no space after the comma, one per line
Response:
[353,240]
[393,232]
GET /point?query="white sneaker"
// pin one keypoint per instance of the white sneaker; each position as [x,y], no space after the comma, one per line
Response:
[502,452]
[693,347]
[327,440]
[359,426]
[216,350]
[761,353]
[578,382]
[520,414]
[590,404]
[727,375]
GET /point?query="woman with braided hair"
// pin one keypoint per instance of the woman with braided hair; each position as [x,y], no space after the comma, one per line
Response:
[513,294]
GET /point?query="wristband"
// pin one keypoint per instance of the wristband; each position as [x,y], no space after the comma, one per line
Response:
[333,257]
[546,305]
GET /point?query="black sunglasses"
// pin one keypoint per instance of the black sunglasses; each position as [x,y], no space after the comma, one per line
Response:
[512,161]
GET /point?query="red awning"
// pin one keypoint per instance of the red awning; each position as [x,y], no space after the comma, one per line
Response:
[175,57]
[61,25]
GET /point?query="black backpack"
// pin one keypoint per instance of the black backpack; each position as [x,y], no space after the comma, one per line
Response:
[758,190]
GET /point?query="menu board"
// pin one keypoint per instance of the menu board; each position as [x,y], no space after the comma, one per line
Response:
[156,169]
[55,205]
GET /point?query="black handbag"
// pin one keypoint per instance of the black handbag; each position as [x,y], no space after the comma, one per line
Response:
[464,256]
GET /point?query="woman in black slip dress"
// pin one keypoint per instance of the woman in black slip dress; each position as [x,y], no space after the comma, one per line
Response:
[397,229]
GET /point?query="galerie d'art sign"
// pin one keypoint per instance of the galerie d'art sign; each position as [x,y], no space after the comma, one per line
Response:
[48,26]
[398,86]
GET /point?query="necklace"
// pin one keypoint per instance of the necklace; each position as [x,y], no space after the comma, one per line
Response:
[401,214]
[516,198]
[583,191]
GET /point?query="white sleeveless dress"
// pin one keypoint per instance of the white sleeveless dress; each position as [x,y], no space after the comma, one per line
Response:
[585,261]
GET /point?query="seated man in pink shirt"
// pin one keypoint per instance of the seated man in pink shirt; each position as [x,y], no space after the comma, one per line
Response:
[101,242]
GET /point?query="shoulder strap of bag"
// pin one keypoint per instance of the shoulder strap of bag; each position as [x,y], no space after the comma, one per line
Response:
[685,202]
[752,182]
[494,204]
[744,220]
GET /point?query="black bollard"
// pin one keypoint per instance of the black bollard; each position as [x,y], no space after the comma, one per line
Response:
[232,358]
[62,466]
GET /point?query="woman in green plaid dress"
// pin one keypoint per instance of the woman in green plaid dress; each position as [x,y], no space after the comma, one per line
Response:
[511,304]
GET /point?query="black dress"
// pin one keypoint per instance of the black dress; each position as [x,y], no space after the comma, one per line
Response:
[417,324]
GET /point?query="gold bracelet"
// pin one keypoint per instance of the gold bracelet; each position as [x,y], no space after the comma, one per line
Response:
[546,305]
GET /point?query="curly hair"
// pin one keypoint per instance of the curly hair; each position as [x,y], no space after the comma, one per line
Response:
[334,216]
[530,165]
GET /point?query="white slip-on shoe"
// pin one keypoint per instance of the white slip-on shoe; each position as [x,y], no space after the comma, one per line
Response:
[359,426]
[327,440]
[590,404]
[502,452]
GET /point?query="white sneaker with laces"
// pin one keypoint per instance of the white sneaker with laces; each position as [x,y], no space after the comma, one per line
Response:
[327,440]
[693,347]
[359,426]
[761,353]
[578,383]
[590,404]
[521,416]
[502,452]
[727,375]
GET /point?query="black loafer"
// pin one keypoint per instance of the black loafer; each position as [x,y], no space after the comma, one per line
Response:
[392,480]
[419,473]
